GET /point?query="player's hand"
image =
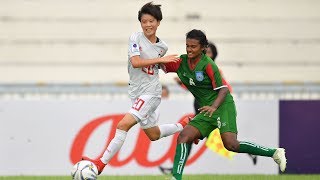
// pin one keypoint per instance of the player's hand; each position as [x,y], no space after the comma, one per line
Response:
[170,58]
[207,110]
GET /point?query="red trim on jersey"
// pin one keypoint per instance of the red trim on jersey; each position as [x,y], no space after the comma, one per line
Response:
[210,73]
[225,82]
[172,66]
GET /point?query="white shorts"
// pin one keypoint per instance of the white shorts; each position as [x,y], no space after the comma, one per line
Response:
[146,111]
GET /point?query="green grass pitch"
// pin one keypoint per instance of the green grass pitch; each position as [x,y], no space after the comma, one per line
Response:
[186,177]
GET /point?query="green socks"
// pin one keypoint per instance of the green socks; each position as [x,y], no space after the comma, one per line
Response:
[180,159]
[183,150]
[254,149]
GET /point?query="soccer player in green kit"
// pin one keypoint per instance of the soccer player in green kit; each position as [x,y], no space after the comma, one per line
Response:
[201,76]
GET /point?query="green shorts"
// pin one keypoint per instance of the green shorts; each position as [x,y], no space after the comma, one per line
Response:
[223,118]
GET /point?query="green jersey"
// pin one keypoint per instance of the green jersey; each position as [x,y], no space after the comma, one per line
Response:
[203,81]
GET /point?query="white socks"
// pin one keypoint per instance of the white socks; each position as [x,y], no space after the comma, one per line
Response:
[120,136]
[114,146]
[169,129]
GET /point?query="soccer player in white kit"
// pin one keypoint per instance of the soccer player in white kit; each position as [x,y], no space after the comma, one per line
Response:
[145,52]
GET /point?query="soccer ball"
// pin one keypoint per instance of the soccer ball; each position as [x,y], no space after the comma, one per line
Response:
[84,170]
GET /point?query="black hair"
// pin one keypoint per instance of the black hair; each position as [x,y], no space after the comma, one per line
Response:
[198,35]
[213,50]
[151,9]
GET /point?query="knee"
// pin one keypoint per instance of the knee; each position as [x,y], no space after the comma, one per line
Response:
[126,123]
[231,145]
[184,138]
[123,126]
[153,137]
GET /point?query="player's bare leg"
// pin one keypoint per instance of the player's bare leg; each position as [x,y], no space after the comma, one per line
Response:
[164,130]
[231,143]
[183,122]
[184,142]
[127,122]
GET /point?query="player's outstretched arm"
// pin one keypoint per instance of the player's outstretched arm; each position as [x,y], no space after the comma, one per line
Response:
[137,62]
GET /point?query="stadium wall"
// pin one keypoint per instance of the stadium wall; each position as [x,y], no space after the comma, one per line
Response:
[46,137]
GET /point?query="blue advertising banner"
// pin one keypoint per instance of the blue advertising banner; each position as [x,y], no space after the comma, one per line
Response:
[300,135]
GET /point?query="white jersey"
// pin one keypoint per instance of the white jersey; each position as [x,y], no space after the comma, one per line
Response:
[144,81]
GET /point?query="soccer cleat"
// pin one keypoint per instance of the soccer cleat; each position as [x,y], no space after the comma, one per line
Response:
[166,171]
[100,165]
[185,121]
[280,158]
[254,159]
